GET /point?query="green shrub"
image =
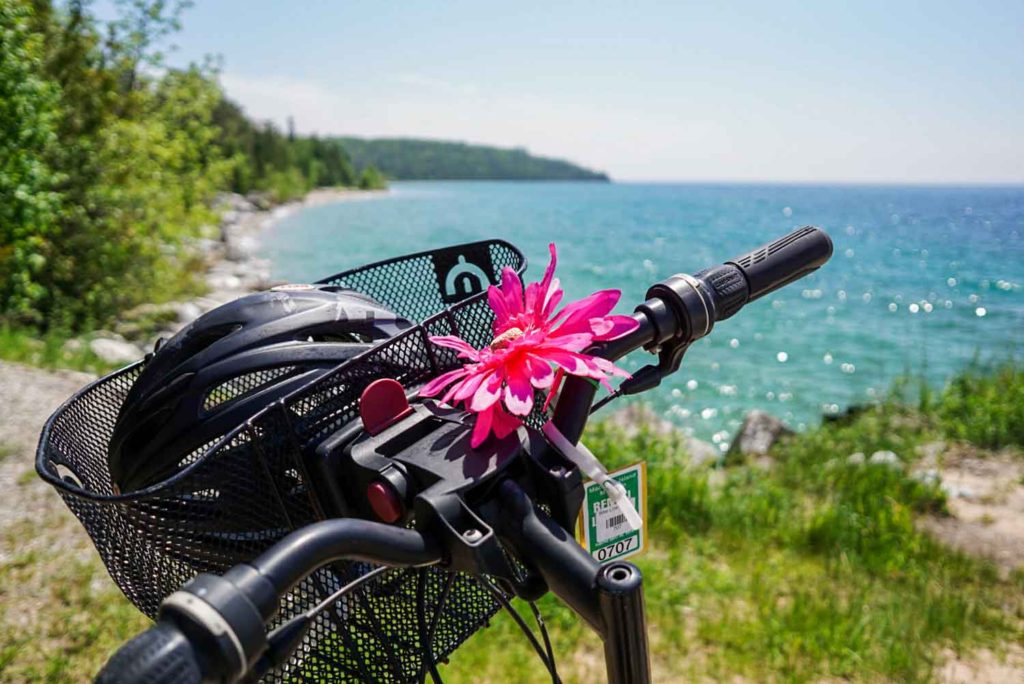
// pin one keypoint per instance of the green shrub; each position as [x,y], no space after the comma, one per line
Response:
[985,406]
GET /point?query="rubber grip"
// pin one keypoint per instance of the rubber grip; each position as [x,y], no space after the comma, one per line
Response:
[771,266]
[160,655]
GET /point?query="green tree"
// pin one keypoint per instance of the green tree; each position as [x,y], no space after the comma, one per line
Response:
[372,179]
[29,202]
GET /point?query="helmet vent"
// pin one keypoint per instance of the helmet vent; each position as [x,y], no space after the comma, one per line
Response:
[244,385]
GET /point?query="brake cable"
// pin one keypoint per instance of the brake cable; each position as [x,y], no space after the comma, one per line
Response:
[548,659]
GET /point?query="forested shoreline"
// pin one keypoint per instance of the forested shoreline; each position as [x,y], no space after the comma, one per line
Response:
[418,159]
[110,160]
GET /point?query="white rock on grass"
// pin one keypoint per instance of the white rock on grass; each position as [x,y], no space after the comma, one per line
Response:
[73,346]
[856,458]
[955,491]
[928,476]
[886,458]
[115,351]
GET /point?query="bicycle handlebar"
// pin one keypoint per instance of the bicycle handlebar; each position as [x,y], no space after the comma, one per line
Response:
[160,655]
[683,308]
[214,628]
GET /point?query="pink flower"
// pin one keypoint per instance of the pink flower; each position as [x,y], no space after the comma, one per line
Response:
[533,348]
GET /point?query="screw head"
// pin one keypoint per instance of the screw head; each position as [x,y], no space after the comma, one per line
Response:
[472,535]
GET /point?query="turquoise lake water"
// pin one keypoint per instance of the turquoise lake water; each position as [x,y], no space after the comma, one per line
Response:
[923,280]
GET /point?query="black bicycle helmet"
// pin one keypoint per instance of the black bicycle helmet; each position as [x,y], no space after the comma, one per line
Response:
[229,364]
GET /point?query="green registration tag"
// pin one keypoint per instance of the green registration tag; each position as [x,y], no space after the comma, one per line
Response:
[602,529]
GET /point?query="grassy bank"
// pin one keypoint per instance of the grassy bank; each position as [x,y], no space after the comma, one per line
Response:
[48,350]
[812,569]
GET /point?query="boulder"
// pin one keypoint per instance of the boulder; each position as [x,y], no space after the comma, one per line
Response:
[113,350]
[760,430]
[240,248]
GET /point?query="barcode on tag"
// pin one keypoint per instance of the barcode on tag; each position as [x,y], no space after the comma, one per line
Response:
[611,524]
[605,530]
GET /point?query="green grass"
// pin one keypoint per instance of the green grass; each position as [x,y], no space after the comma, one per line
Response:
[813,569]
[984,406]
[47,350]
[60,615]
[810,570]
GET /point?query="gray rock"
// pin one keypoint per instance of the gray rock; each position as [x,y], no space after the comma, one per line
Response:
[114,351]
[701,452]
[73,346]
[240,248]
[760,430]
[223,281]
[856,458]
[228,218]
[188,312]
[886,458]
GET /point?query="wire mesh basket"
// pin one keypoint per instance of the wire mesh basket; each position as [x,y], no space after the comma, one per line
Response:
[238,495]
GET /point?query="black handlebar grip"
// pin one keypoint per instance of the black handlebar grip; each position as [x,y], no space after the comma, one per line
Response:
[771,266]
[160,655]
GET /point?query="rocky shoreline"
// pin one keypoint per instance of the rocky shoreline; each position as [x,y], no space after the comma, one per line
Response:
[233,269]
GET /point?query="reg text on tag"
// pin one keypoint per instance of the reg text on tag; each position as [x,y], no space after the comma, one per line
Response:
[602,528]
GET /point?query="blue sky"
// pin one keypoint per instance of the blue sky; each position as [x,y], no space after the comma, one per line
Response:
[778,91]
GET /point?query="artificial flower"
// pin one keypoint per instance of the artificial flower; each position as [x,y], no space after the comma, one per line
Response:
[532,349]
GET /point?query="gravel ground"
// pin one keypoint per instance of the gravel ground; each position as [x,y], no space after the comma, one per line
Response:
[28,397]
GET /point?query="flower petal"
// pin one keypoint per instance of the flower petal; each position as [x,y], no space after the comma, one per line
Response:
[487,393]
[469,386]
[502,423]
[497,303]
[544,289]
[512,289]
[555,386]
[464,348]
[442,381]
[518,391]
[575,317]
[612,327]
[541,375]
[482,428]
[551,299]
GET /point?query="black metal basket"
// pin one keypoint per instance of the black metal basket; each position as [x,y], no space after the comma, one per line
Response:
[237,496]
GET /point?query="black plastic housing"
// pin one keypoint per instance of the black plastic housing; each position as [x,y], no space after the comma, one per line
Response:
[789,258]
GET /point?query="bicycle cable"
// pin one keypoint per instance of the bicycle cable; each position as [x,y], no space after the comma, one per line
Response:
[549,664]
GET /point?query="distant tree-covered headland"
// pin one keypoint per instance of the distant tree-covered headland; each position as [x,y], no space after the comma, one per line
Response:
[415,159]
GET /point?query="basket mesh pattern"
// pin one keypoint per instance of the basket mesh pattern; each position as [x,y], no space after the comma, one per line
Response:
[244,384]
[237,497]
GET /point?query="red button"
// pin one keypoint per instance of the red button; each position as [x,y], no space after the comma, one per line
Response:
[381,404]
[385,502]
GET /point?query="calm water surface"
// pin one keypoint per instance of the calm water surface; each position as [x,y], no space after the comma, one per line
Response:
[924,279]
